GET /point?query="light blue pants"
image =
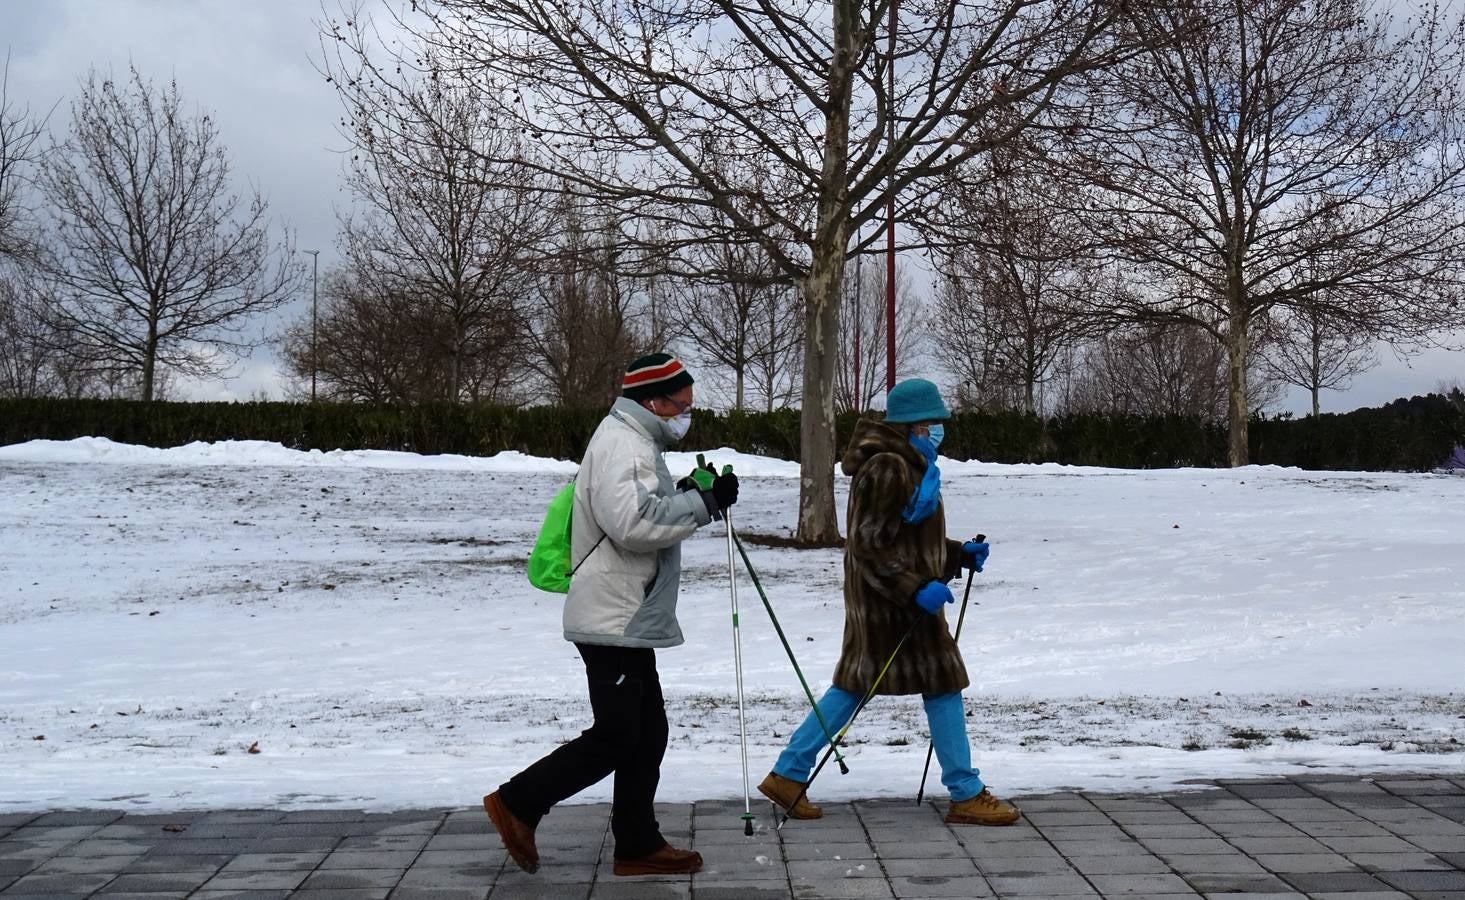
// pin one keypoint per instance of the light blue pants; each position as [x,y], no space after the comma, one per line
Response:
[944,714]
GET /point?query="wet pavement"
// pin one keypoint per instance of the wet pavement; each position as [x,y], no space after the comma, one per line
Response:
[1326,837]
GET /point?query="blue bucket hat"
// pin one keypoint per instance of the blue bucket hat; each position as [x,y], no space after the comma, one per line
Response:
[914,400]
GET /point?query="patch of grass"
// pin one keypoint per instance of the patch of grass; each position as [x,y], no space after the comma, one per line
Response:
[1248,734]
[1193,744]
[1296,734]
[901,741]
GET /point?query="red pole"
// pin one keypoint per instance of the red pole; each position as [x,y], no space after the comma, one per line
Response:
[890,221]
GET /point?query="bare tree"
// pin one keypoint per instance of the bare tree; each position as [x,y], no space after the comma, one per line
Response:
[589,318]
[20,152]
[1163,369]
[1215,165]
[1015,271]
[727,322]
[441,218]
[860,376]
[772,123]
[159,263]
[1316,354]
[368,345]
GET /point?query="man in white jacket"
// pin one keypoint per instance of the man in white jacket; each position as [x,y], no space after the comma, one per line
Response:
[629,521]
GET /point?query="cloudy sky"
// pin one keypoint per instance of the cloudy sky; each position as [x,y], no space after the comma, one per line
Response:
[250,65]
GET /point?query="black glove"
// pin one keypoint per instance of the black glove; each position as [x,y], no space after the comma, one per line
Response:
[725,489]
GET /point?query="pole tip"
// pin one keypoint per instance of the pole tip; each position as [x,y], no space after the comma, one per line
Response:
[748,828]
[843,769]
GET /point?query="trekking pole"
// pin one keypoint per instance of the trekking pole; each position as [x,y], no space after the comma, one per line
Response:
[732,581]
[845,730]
[818,714]
[960,617]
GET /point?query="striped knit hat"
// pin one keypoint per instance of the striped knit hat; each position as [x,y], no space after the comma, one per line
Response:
[655,376]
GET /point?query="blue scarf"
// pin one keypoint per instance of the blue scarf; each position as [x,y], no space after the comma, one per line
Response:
[928,493]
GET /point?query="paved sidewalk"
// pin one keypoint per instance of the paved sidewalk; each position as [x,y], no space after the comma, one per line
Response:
[1359,839]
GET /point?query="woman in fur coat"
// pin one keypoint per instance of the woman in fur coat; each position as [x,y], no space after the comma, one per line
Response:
[897,561]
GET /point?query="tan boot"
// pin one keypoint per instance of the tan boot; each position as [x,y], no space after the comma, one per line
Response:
[983,809]
[783,791]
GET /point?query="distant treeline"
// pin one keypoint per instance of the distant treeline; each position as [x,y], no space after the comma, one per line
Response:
[1405,435]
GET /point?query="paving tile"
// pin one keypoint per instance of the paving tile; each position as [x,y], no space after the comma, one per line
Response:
[1019,868]
[291,845]
[943,868]
[157,862]
[1305,862]
[1118,865]
[265,862]
[1232,884]
[35,834]
[1102,848]
[1278,845]
[1389,844]
[351,880]
[1214,864]
[729,890]
[823,851]
[1117,885]
[1041,886]
[108,848]
[832,869]
[472,841]
[1399,862]
[16,867]
[360,894]
[1193,831]
[928,887]
[369,859]
[461,878]
[1188,846]
[916,850]
[1417,882]
[1337,882]
[83,865]
[611,890]
[96,817]
[843,889]
[58,884]
[432,859]
[159,881]
[467,893]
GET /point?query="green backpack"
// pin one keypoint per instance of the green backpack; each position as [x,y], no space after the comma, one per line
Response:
[549,561]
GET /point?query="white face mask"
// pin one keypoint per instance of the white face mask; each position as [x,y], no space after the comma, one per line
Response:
[679,425]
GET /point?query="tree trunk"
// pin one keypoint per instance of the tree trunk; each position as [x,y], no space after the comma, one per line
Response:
[817,524]
[149,362]
[1239,412]
[822,291]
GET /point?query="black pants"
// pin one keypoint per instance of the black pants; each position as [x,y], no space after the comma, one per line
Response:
[628,738]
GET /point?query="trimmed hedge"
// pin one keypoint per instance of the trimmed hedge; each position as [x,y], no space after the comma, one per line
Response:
[1406,435]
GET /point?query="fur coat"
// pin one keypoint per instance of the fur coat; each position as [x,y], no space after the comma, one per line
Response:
[886,560]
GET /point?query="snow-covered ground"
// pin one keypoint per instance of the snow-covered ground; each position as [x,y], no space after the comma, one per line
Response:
[361,620]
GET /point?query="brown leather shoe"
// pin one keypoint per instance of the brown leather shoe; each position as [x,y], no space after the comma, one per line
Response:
[667,861]
[983,809]
[782,792]
[518,838]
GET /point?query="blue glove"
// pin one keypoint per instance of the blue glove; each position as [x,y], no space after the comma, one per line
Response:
[934,596]
[974,554]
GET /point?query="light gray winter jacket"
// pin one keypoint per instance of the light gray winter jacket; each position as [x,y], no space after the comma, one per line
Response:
[625,592]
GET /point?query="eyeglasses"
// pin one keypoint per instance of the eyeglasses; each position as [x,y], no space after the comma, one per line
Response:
[681,407]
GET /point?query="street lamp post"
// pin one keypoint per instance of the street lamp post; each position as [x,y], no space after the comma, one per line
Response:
[314,273]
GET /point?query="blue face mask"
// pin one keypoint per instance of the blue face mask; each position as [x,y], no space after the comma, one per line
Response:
[937,433]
